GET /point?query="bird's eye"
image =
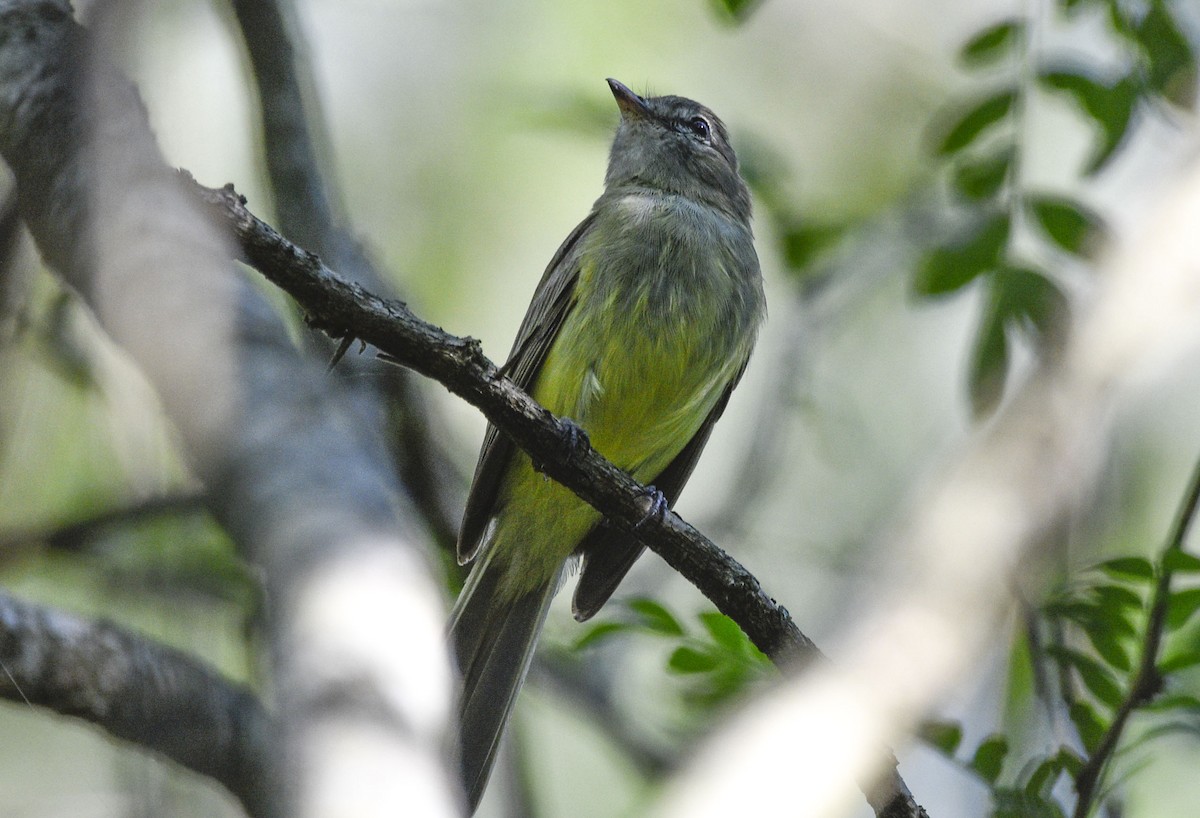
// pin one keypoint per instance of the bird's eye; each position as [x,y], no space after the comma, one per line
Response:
[699,127]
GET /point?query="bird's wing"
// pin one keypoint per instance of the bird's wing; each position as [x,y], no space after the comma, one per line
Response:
[552,301]
[608,552]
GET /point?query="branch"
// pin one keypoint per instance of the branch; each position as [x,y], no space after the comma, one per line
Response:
[1147,683]
[146,693]
[346,310]
[343,309]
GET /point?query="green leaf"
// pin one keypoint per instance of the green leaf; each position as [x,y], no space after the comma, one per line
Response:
[989,757]
[1109,104]
[1113,597]
[1010,803]
[1181,562]
[1181,606]
[804,242]
[980,178]
[654,617]
[988,369]
[1071,761]
[1045,774]
[1177,660]
[1095,676]
[1172,65]
[1069,224]
[1090,726]
[955,264]
[1174,701]
[599,632]
[1030,301]
[993,42]
[944,735]
[726,633]
[1133,567]
[968,125]
[686,659]
[1110,648]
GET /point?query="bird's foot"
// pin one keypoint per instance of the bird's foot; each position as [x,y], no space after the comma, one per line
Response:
[656,507]
[577,440]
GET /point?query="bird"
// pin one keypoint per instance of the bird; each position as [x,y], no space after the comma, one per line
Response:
[638,331]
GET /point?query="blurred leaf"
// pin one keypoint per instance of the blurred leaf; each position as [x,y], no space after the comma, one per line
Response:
[1181,606]
[1071,761]
[654,617]
[686,659]
[1010,803]
[1109,105]
[1095,677]
[993,42]
[726,633]
[967,126]
[1181,562]
[737,11]
[1172,65]
[1069,224]
[1182,651]
[979,178]
[989,757]
[600,631]
[1110,648]
[953,265]
[804,243]
[1134,567]
[1090,726]
[988,369]
[944,735]
[1117,596]
[1174,701]
[1173,662]
[1043,777]
[1032,302]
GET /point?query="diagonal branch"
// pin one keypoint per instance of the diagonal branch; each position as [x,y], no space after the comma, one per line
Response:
[152,695]
[343,308]
[346,310]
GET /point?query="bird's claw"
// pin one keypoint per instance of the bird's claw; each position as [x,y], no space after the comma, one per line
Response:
[656,507]
[576,440]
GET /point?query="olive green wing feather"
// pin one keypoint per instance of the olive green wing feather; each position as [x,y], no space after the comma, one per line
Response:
[552,301]
[608,552]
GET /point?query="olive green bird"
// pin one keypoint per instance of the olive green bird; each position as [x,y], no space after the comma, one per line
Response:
[639,330]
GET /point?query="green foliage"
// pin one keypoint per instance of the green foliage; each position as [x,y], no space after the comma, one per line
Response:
[980,141]
[717,660]
[993,43]
[969,124]
[1112,643]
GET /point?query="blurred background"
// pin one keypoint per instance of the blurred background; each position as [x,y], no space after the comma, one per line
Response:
[468,138]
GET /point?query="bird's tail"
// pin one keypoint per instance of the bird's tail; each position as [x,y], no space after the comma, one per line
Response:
[493,639]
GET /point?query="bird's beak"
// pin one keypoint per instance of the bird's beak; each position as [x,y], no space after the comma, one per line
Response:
[632,106]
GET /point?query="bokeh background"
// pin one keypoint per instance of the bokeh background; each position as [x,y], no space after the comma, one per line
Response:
[468,137]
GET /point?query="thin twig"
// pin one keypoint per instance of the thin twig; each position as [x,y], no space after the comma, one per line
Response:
[1147,683]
